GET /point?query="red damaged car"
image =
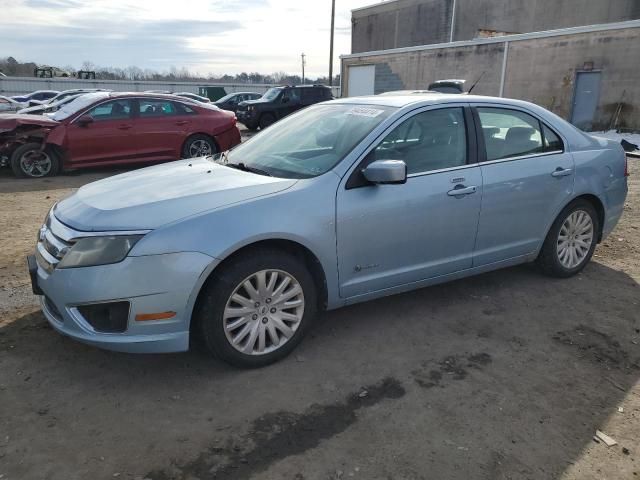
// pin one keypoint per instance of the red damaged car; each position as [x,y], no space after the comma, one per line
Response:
[105,128]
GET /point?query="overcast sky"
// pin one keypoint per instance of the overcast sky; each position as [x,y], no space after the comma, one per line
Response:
[217,36]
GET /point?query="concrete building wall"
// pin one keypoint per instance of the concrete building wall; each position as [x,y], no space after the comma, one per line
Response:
[404,23]
[543,71]
[400,24]
[540,70]
[523,16]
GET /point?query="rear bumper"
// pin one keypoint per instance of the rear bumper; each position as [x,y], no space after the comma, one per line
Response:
[616,196]
[228,139]
[155,283]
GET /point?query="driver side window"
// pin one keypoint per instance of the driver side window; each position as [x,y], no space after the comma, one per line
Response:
[114,110]
[428,141]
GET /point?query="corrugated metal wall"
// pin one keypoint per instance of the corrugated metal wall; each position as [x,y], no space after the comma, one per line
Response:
[20,85]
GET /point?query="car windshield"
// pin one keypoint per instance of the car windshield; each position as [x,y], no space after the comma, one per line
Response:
[308,143]
[272,93]
[226,97]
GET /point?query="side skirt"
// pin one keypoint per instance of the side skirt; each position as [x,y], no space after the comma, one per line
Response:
[440,279]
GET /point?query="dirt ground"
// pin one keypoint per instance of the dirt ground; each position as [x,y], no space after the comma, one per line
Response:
[503,376]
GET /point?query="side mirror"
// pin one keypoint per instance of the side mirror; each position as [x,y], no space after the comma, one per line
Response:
[285,99]
[85,120]
[386,172]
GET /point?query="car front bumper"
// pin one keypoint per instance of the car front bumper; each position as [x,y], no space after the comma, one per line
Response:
[246,117]
[155,283]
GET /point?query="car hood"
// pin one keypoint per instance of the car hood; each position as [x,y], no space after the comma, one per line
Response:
[151,197]
[253,102]
[10,122]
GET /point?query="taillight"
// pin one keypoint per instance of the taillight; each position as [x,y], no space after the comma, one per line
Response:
[626,166]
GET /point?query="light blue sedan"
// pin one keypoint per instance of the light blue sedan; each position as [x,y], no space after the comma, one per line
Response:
[342,202]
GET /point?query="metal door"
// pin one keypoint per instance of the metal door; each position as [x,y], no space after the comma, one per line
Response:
[361,80]
[585,99]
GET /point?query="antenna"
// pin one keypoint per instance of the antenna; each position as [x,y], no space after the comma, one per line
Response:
[476,82]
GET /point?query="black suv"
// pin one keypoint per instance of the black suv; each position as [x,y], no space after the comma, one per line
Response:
[279,102]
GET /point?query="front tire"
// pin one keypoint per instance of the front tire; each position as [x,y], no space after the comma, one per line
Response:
[256,309]
[199,145]
[571,240]
[32,161]
[266,120]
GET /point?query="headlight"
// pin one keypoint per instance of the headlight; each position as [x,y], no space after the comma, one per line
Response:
[93,251]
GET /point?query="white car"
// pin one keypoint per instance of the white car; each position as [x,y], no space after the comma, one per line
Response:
[67,93]
[49,107]
[8,105]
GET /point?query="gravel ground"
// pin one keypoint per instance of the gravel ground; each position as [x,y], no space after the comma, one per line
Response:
[503,376]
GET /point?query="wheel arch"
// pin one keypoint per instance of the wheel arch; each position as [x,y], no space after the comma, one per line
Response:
[299,250]
[598,205]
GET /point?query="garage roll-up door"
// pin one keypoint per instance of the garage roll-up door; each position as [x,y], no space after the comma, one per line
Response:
[361,80]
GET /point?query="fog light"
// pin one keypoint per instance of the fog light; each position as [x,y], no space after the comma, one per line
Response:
[106,317]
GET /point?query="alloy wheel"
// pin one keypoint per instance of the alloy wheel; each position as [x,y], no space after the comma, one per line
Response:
[575,239]
[35,163]
[199,148]
[263,312]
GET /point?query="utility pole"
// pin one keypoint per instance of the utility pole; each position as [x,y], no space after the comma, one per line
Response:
[303,63]
[333,16]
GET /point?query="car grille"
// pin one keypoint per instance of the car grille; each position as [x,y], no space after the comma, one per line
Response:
[54,241]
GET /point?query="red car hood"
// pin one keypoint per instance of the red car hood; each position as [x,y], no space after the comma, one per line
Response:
[10,122]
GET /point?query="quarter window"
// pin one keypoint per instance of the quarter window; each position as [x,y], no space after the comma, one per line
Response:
[552,142]
[509,133]
[114,110]
[428,141]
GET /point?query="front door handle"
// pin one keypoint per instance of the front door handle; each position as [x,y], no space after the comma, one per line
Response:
[561,172]
[460,190]
[182,122]
[124,126]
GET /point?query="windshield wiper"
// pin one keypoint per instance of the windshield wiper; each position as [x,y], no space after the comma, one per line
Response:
[246,168]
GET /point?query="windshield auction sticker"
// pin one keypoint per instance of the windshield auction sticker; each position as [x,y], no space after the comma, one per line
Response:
[364,112]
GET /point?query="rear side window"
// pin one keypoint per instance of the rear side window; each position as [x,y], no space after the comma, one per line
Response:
[509,133]
[156,108]
[183,109]
[114,110]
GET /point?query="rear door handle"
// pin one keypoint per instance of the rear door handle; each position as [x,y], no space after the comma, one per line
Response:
[460,190]
[561,172]
[124,126]
[182,122]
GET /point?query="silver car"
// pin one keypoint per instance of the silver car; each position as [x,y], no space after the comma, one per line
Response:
[342,202]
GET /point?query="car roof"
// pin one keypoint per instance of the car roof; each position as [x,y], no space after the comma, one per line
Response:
[403,99]
[407,102]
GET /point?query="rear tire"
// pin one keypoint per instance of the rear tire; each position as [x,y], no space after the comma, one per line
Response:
[571,240]
[267,120]
[32,161]
[199,145]
[273,322]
